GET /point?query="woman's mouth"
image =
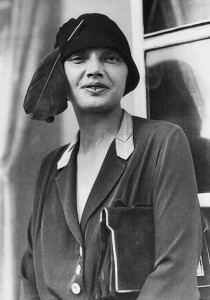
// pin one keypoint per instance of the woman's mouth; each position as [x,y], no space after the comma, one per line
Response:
[95,88]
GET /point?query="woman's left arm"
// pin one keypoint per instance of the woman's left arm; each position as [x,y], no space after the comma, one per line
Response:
[177,224]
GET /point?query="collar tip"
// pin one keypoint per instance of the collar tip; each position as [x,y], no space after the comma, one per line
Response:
[59,166]
[126,155]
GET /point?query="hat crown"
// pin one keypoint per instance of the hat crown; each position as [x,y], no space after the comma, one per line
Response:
[97,29]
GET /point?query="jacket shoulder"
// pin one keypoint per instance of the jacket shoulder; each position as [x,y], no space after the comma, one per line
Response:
[46,170]
[158,129]
[47,166]
[53,157]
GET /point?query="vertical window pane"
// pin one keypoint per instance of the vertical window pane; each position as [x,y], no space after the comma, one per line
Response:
[179,92]
[162,14]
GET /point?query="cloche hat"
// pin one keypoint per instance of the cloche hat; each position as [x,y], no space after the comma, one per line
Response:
[47,92]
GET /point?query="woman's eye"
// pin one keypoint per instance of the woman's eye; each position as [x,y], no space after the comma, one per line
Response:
[77,59]
[112,59]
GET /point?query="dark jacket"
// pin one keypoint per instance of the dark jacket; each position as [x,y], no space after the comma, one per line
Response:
[159,173]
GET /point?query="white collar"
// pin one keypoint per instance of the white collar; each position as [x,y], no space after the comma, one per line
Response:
[123,142]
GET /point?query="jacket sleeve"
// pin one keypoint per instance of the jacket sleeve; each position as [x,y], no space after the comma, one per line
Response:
[177,224]
[28,286]
[28,289]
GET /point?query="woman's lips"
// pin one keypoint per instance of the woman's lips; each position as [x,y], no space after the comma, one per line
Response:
[95,88]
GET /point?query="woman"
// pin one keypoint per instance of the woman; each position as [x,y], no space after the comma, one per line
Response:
[115,161]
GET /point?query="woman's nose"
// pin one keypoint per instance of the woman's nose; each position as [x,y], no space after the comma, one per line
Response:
[95,68]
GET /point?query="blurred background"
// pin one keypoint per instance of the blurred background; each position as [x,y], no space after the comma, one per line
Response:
[170,42]
[27,34]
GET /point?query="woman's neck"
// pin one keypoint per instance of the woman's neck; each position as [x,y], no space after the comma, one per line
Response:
[98,129]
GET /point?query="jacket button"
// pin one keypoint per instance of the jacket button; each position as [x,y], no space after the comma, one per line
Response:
[76,289]
[78,269]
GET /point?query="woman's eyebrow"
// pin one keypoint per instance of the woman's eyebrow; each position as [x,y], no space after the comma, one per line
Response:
[80,52]
[112,52]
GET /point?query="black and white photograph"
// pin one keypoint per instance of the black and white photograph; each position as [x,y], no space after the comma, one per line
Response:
[105,150]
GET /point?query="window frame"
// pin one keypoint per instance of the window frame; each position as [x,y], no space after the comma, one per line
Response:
[172,37]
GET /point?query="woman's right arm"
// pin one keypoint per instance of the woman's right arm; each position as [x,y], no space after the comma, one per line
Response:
[28,288]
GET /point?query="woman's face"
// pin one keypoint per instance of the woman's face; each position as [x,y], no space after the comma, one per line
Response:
[97,79]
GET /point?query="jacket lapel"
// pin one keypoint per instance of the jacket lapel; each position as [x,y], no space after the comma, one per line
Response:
[110,172]
[66,183]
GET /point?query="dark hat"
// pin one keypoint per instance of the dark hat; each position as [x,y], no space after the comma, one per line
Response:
[88,31]
[97,31]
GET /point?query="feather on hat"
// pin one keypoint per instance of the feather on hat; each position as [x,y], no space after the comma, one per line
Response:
[44,99]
